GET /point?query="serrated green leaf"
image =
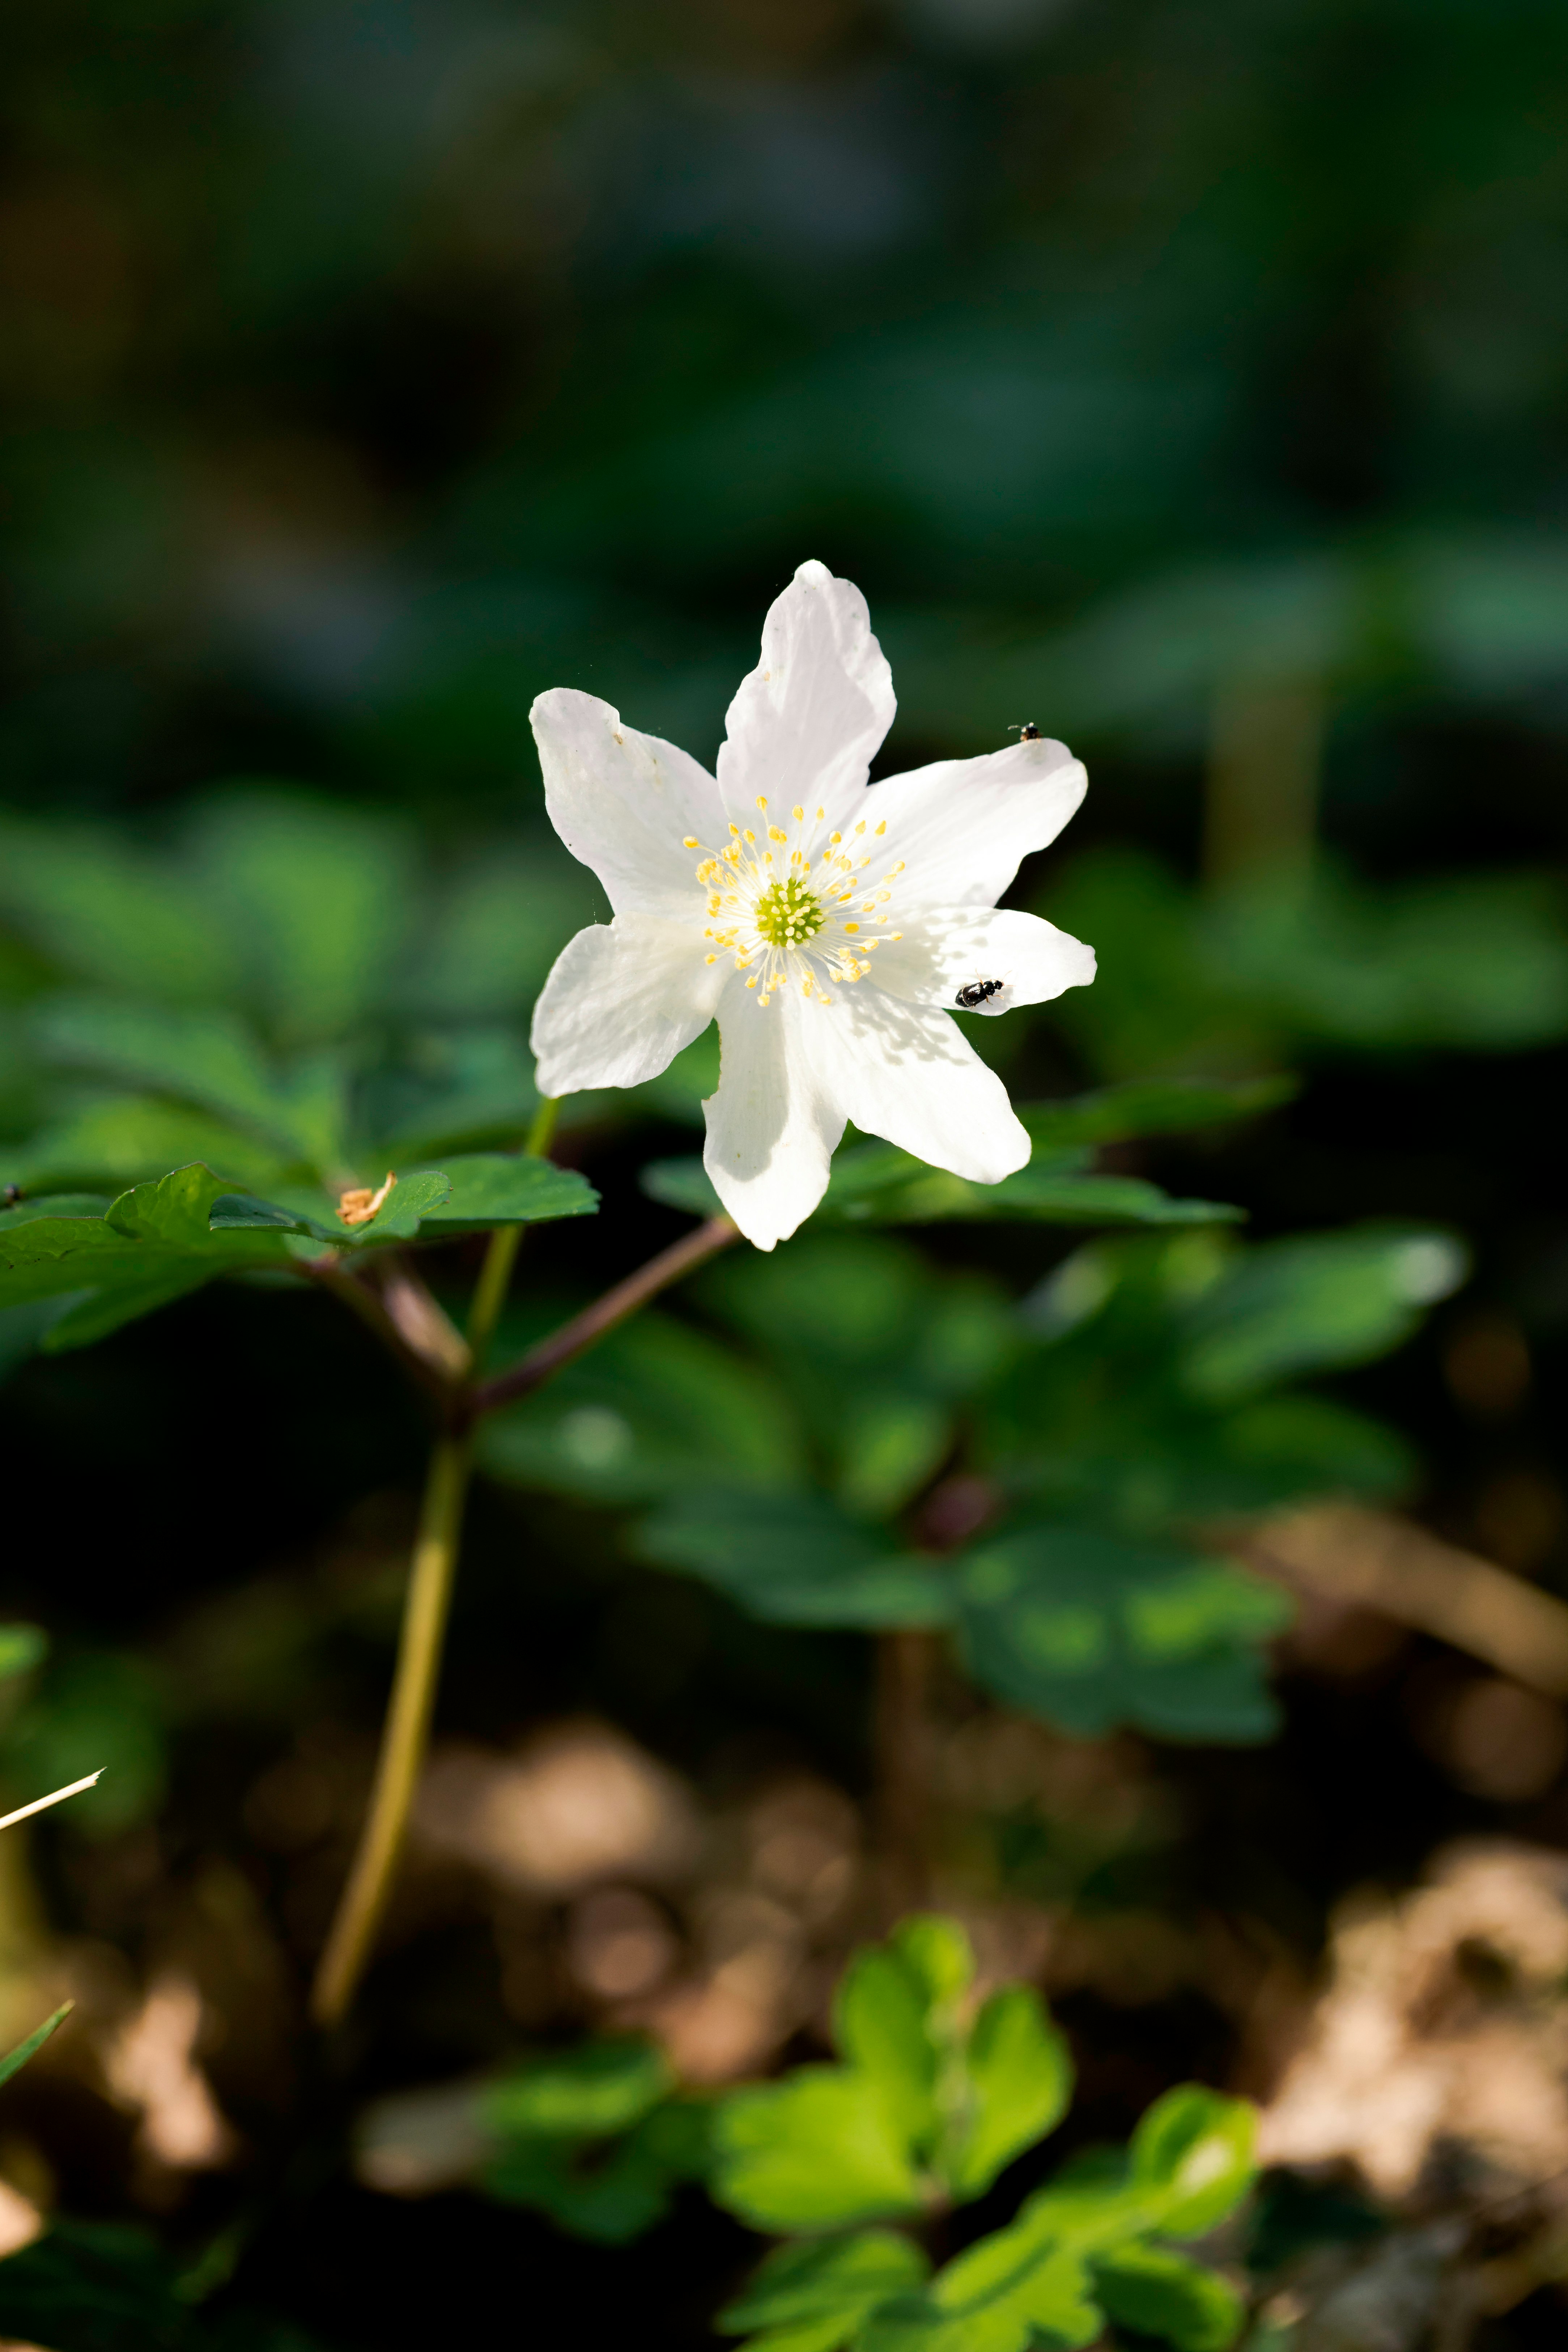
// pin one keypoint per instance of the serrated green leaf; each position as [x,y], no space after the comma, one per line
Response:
[1314,1302]
[498,1187]
[821,2150]
[593,2092]
[1192,2157]
[882,2027]
[1018,2079]
[414,1197]
[795,1561]
[1090,1629]
[174,1209]
[15,2060]
[1165,2295]
[1004,2295]
[826,2287]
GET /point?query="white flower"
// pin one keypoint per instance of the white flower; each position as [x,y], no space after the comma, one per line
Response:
[828,927]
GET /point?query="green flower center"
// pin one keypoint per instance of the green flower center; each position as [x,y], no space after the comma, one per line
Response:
[787,914]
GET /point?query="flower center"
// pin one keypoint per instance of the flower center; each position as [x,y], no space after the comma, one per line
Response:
[784,929]
[787,914]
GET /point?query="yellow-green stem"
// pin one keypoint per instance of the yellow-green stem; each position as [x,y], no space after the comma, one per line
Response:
[495,1274]
[404,1735]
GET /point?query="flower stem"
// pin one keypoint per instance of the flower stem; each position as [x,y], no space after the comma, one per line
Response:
[531,1371]
[404,1735]
[495,1274]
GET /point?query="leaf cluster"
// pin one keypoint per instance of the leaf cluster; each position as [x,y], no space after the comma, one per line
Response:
[803,1450]
[934,2096]
[597,2137]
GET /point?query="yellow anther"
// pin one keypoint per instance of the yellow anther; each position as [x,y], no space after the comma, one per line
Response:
[753,981]
[832,837]
[734,828]
[899,866]
[851,927]
[750,836]
[883,826]
[712,958]
[861,826]
[883,896]
[778,833]
[689,841]
[762,800]
[820,814]
[898,935]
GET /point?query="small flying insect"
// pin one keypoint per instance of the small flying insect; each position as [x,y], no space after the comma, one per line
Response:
[10,1194]
[975,993]
[1027,733]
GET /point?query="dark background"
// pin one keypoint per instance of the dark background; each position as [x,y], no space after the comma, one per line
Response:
[367,368]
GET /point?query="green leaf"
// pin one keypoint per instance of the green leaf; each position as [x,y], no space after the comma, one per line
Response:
[1090,1629]
[93,1711]
[498,1187]
[317,900]
[1193,2158]
[175,1210]
[1018,2080]
[795,1561]
[648,1413]
[681,1184]
[817,2294]
[206,1059]
[821,2150]
[1152,1106]
[593,2138]
[21,1647]
[876,1183]
[110,919]
[129,1137]
[1163,2294]
[883,2026]
[1314,1303]
[1004,2293]
[414,1197]
[15,2060]
[590,2092]
[91,1318]
[938,1952]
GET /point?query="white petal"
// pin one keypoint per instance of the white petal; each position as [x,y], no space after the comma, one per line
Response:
[911,1076]
[806,722]
[774,1124]
[963,826]
[623,802]
[949,947]
[621,1000]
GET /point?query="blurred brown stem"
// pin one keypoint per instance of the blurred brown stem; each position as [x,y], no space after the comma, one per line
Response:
[901,1740]
[530,1372]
